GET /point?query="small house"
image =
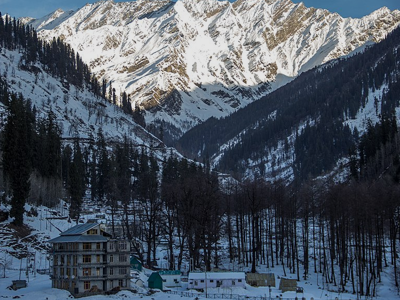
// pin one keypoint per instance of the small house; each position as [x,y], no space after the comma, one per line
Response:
[256,279]
[216,280]
[155,281]
[136,264]
[288,285]
[138,282]
[171,279]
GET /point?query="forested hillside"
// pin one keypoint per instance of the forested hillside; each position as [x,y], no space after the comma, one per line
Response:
[41,161]
[310,116]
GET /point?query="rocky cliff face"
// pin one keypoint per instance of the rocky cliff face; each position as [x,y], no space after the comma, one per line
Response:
[188,60]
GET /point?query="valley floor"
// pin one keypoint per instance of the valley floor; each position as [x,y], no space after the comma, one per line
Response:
[39,288]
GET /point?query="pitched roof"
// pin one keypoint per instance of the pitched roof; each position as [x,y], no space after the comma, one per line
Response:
[258,276]
[79,229]
[217,275]
[154,276]
[79,239]
[171,272]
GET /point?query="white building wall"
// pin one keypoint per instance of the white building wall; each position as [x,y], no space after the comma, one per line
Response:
[171,280]
[214,279]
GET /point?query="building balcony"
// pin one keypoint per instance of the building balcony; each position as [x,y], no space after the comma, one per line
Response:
[81,251]
[92,277]
[64,265]
[93,264]
[117,276]
[117,250]
[119,264]
[64,277]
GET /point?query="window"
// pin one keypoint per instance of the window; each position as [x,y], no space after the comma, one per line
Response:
[98,271]
[111,258]
[233,282]
[212,280]
[111,245]
[122,258]
[87,272]
[86,285]
[111,271]
[122,245]
[202,281]
[121,283]
[122,271]
[92,231]
[239,280]
[55,262]
[65,285]
[98,246]
[75,272]
[75,259]
[68,272]
[87,258]
[87,246]
[98,258]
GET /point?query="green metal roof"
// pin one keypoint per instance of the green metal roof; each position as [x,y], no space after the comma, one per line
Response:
[174,272]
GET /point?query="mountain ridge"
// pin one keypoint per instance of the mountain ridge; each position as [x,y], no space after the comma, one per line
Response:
[307,127]
[163,53]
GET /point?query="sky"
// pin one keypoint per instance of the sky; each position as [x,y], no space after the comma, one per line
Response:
[40,8]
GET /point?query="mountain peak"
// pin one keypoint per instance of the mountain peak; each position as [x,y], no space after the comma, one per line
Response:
[190,60]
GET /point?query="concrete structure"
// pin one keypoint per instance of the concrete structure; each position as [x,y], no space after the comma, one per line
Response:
[216,279]
[263,279]
[171,279]
[85,259]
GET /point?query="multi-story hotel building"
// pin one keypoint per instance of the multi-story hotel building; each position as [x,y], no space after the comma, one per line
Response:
[85,259]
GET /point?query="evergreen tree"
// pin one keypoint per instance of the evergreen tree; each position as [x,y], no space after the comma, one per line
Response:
[17,156]
[103,165]
[76,182]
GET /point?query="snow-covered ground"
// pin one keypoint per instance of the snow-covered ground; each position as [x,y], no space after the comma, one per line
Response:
[39,287]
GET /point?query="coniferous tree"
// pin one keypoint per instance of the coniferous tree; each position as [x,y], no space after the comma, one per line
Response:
[76,182]
[17,156]
[103,165]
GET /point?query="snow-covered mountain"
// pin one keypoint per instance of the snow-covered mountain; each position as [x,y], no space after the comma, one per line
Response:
[188,60]
[79,112]
[306,127]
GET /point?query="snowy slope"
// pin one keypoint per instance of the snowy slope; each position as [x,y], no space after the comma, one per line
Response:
[188,60]
[276,163]
[79,113]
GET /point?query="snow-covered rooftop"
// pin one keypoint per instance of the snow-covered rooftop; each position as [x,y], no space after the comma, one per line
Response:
[217,275]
